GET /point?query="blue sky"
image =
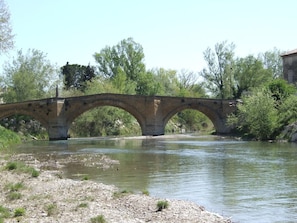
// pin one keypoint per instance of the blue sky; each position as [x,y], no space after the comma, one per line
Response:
[173,33]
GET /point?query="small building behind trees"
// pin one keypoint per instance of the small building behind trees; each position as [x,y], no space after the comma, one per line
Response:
[290,66]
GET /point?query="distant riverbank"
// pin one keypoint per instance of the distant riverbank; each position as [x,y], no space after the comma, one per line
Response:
[49,197]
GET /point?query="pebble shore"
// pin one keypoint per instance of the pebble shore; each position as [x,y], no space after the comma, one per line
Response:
[51,198]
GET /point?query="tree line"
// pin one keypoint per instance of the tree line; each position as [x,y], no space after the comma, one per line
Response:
[121,69]
[267,102]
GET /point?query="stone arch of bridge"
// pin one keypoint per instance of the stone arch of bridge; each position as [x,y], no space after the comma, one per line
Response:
[132,110]
[213,115]
[35,116]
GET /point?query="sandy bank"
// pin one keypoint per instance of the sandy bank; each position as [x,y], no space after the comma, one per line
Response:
[50,198]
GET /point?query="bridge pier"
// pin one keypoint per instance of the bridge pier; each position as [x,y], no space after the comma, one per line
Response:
[57,132]
[153,130]
[57,124]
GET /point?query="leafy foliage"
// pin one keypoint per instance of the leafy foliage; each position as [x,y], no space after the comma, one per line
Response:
[272,62]
[127,56]
[76,76]
[28,77]
[162,205]
[218,74]
[7,138]
[280,89]
[6,40]
[256,116]
[249,73]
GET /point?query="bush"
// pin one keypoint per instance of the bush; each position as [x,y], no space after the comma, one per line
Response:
[11,166]
[146,192]
[8,138]
[98,219]
[162,205]
[51,209]
[14,196]
[35,173]
[14,187]
[257,116]
[22,167]
[4,213]
[19,212]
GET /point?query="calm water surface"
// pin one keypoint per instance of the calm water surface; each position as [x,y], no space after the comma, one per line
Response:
[248,181]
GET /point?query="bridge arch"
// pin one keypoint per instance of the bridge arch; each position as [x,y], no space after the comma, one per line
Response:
[10,113]
[131,109]
[210,113]
[28,120]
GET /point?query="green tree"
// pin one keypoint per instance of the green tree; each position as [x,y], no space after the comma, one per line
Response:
[127,55]
[76,76]
[188,85]
[27,77]
[6,36]
[167,81]
[218,74]
[280,89]
[147,84]
[249,73]
[288,111]
[256,116]
[273,62]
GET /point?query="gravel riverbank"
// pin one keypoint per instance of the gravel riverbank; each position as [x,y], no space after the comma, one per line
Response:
[49,197]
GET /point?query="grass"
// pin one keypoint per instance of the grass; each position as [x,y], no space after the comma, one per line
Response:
[98,219]
[21,167]
[51,209]
[19,212]
[162,205]
[82,205]
[121,193]
[14,187]
[146,192]
[86,178]
[13,191]
[8,138]
[14,196]
[4,213]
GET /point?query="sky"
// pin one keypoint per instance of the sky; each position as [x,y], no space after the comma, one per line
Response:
[173,33]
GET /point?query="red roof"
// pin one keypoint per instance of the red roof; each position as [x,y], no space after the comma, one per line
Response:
[289,53]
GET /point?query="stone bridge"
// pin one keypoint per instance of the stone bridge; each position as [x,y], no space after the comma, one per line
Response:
[151,112]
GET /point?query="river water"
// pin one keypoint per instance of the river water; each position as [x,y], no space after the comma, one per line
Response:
[247,181]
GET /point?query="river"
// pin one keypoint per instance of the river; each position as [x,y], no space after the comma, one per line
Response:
[247,181]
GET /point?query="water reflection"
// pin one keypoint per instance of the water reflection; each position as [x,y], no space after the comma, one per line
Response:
[250,181]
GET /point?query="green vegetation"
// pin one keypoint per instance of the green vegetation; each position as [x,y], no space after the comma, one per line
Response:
[162,205]
[14,196]
[14,187]
[146,192]
[265,112]
[86,178]
[51,209]
[82,205]
[98,219]
[14,191]
[21,167]
[8,138]
[4,213]
[19,212]
[118,194]
[255,80]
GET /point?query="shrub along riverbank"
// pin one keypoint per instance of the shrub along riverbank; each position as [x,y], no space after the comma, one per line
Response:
[8,138]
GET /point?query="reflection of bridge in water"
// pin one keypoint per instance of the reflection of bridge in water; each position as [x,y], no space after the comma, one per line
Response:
[151,112]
